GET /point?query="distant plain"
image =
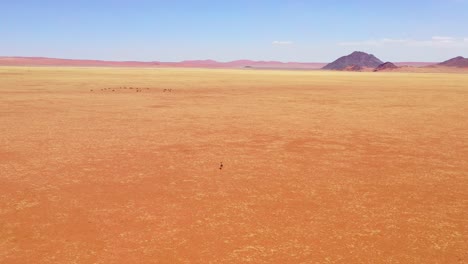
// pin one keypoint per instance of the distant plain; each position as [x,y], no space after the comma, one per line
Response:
[102,165]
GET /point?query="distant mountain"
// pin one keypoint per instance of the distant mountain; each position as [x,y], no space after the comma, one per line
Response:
[386,66]
[459,62]
[356,58]
[237,64]
[40,61]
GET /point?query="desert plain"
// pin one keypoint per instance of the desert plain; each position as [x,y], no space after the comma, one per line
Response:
[103,165]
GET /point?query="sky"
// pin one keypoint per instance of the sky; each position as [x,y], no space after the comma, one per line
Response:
[282,30]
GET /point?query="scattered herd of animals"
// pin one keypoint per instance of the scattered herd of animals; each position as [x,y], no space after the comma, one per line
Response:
[139,90]
[123,88]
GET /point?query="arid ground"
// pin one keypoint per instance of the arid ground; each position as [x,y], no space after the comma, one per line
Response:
[319,167]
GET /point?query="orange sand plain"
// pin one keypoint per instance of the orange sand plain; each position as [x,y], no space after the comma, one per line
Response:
[319,167]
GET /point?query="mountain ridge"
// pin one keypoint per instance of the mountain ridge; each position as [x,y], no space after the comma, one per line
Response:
[459,62]
[45,61]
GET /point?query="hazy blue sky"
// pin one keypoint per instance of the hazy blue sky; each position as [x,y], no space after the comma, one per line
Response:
[294,30]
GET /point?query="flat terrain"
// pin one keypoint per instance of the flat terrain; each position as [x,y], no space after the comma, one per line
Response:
[319,167]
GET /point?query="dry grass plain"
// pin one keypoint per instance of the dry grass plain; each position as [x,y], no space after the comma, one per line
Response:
[319,167]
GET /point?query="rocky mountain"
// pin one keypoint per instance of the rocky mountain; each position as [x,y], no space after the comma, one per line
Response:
[386,66]
[459,62]
[356,58]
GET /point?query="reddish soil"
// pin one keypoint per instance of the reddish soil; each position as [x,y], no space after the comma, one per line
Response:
[319,167]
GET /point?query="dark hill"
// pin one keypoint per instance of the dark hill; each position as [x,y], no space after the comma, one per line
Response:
[356,58]
[386,66]
[459,62]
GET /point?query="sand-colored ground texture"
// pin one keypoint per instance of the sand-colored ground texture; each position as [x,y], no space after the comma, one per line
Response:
[319,167]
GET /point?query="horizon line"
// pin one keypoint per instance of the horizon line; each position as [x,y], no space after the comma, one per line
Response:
[190,60]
